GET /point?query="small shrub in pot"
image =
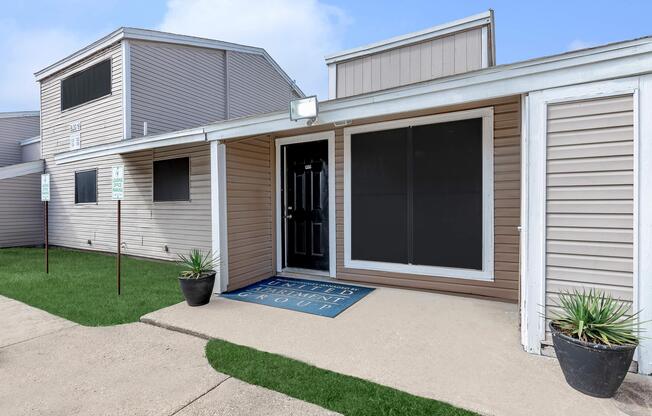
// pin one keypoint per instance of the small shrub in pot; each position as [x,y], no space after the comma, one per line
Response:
[197,280]
[594,339]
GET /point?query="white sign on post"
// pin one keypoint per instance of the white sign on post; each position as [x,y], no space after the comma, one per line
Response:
[118,182]
[45,187]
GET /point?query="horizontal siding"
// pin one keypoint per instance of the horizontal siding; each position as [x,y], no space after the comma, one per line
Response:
[12,130]
[447,55]
[255,87]
[101,120]
[250,192]
[174,87]
[147,227]
[21,211]
[590,196]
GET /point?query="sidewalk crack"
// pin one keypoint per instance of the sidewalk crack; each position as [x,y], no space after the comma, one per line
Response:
[200,396]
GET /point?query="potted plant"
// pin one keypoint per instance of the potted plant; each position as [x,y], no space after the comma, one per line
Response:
[594,339]
[197,280]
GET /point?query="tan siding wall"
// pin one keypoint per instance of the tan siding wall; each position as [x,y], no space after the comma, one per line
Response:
[21,211]
[255,87]
[101,120]
[250,191]
[12,130]
[590,196]
[448,55]
[250,201]
[174,87]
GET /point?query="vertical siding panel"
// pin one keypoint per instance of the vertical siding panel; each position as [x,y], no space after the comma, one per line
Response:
[385,70]
[437,58]
[341,80]
[350,78]
[375,73]
[460,40]
[394,67]
[415,63]
[448,56]
[426,61]
[357,77]
[404,69]
[589,198]
[473,50]
[366,75]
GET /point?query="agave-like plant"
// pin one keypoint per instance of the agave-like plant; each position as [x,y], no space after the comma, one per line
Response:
[597,318]
[197,264]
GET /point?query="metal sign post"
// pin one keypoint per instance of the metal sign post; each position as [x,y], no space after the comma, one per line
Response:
[117,193]
[45,197]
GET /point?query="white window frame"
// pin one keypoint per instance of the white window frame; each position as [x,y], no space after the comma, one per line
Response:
[487,272]
[533,238]
[332,218]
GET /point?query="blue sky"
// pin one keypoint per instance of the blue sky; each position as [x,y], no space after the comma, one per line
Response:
[297,33]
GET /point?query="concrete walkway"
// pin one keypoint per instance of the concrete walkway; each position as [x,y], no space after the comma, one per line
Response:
[51,366]
[460,350]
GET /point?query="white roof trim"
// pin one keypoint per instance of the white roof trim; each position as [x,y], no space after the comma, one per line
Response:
[12,114]
[156,36]
[21,169]
[31,140]
[466,23]
[615,61]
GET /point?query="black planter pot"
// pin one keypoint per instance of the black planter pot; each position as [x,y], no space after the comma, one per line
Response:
[594,369]
[197,291]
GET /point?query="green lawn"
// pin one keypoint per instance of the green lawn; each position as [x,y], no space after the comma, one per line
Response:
[81,285]
[340,393]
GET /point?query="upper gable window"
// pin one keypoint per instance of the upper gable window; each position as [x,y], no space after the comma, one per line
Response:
[87,85]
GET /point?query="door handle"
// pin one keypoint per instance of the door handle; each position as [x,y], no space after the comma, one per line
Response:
[289,216]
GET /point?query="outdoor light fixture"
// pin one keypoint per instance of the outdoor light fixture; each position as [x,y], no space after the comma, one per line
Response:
[304,108]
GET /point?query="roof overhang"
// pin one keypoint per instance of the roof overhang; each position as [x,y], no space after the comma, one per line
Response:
[163,37]
[13,114]
[467,23]
[22,169]
[31,140]
[619,60]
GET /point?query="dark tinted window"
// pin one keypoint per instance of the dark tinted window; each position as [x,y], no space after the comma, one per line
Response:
[379,196]
[86,85]
[416,195]
[172,180]
[447,194]
[85,187]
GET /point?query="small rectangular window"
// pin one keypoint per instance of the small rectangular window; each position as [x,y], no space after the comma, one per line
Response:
[172,180]
[87,85]
[86,187]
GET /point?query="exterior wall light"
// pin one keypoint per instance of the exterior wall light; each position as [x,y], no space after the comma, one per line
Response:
[304,108]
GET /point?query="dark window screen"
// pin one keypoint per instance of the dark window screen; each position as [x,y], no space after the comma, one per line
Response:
[447,194]
[416,195]
[85,187]
[379,196]
[172,180]
[86,85]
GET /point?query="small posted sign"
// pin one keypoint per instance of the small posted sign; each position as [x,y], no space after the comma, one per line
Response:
[118,182]
[45,187]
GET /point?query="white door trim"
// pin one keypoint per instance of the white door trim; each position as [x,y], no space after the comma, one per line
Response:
[534,175]
[332,220]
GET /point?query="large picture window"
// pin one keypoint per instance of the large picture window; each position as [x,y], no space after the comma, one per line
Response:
[172,180]
[418,196]
[86,187]
[86,85]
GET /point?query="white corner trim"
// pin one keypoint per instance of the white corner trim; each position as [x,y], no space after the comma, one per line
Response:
[219,232]
[643,293]
[523,257]
[466,23]
[533,290]
[332,219]
[487,272]
[332,81]
[126,90]
[21,169]
[485,47]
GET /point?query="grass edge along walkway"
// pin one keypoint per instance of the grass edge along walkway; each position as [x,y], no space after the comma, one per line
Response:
[344,394]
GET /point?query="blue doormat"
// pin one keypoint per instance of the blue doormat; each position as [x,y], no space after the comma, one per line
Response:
[309,296]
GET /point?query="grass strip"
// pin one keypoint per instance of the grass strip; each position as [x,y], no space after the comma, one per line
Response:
[334,391]
[81,285]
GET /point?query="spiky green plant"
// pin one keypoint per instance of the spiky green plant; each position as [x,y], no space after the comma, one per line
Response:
[197,264]
[597,318]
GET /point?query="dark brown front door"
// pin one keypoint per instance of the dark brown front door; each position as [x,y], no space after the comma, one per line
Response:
[305,210]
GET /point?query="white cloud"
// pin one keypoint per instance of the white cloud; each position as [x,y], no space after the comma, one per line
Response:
[297,34]
[24,52]
[579,44]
